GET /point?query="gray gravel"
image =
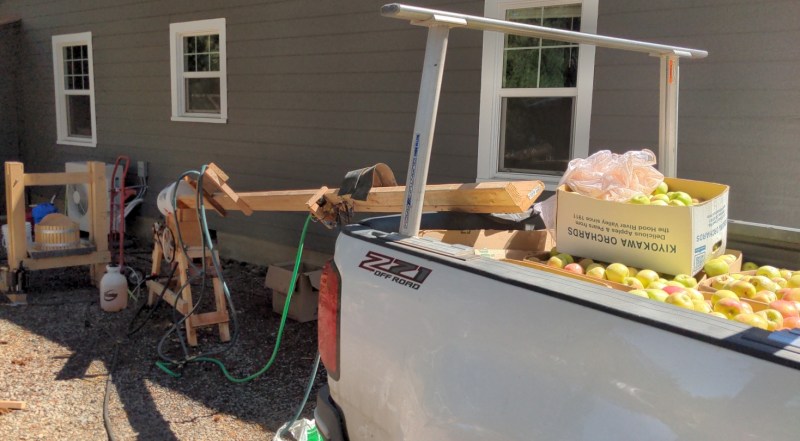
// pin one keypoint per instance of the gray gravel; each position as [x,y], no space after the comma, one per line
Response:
[55,355]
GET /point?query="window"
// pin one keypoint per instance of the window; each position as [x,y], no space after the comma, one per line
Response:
[536,94]
[199,85]
[74,88]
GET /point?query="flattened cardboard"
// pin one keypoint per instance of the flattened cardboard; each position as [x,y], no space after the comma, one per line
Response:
[496,244]
[667,239]
[303,307]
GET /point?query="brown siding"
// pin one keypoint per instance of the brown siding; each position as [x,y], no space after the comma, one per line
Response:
[316,88]
[738,108]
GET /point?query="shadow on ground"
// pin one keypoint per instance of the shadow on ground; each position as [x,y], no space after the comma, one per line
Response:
[64,309]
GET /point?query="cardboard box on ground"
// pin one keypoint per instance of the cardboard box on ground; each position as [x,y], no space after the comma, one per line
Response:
[667,239]
[303,306]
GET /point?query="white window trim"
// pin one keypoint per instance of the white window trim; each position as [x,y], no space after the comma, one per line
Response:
[186,29]
[62,132]
[491,75]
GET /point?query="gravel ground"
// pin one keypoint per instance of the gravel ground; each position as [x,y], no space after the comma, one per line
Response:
[55,354]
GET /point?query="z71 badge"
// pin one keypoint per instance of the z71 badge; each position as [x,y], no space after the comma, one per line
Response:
[396,270]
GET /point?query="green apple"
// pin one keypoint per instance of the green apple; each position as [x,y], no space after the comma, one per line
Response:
[639,199]
[701,306]
[566,258]
[633,282]
[686,280]
[781,282]
[718,314]
[639,292]
[721,281]
[681,196]
[765,297]
[659,197]
[786,274]
[676,203]
[616,272]
[723,294]
[762,283]
[749,266]
[696,295]
[658,284]
[753,320]
[716,267]
[555,262]
[598,272]
[647,276]
[769,271]
[658,295]
[680,299]
[595,265]
[633,271]
[659,202]
[743,289]
[661,188]
[794,281]
[774,319]
[553,251]
[585,263]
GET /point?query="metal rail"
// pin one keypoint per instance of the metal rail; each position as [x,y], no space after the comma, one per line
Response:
[439,24]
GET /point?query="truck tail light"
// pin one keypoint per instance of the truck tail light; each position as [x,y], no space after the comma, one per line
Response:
[328,320]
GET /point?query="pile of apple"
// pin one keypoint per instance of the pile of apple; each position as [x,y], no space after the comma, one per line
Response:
[779,289]
[662,196]
[682,290]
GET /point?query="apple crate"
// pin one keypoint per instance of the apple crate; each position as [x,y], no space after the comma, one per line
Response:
[535,261]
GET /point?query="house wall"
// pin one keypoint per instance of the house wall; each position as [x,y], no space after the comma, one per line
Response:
[315,88]
[739,108]
[9,124]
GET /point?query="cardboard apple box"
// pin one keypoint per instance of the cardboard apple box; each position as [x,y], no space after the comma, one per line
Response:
[303,306]
[667,239]
[496,244]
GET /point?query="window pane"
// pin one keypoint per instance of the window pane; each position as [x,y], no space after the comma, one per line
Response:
[79,116]
[559,67]
[536,135]
[202,63]
[202,95]
[86,82]
[202,43]
[214,43]
[521,68]
[190,63]
[68,67]
[531,16]
[562,17]
[189,44]
[215,62]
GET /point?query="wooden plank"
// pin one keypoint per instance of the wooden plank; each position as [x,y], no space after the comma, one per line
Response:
[209,318]
[99,258]
[221,308]
[15,210]
[484,197]
[33,179]
[220,179]
[98,206]
[207,198]
[169,296]
[19,405]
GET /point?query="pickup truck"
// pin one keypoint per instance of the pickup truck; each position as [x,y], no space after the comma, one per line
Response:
[424,340]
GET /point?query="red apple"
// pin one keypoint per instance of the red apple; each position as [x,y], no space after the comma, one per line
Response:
[791,323]
[786,308]
[792,294]
[670,289]
[765,297]
[573,268]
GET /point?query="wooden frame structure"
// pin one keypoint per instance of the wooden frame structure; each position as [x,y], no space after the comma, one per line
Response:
[18,259]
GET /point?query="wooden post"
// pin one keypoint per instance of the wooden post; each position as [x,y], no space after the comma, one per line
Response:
[186,295]
[98,212]
[15,211]
[222,306]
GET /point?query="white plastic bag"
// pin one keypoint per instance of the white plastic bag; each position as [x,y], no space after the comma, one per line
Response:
[302,430]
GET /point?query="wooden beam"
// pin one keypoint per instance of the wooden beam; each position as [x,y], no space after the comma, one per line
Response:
[205,319]
[99,258]
[19,405]
[484,197]
[15,210]
[169,296]
[33,179]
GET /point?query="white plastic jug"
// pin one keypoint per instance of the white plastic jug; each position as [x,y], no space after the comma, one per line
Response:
[113,290]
